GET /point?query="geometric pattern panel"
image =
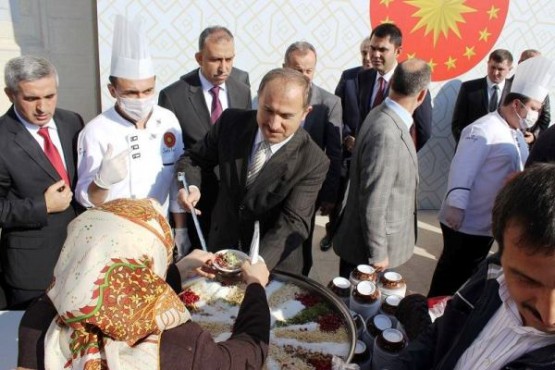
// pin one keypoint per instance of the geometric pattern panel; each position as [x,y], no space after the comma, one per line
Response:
[264,28]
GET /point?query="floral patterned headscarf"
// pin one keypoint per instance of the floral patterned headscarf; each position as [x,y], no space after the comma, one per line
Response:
[109,289]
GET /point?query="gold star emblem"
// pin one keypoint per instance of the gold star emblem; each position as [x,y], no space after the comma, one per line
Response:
[386,2]
[484,35]
[492,12]
[440,17]
[387,20]
[432,64]
[469,52]
[411,56]
[450,63]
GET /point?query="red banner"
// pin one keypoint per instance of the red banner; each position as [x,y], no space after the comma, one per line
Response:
[451,35]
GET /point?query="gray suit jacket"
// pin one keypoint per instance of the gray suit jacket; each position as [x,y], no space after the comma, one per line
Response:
[380,214]
[282,197]
[240,75]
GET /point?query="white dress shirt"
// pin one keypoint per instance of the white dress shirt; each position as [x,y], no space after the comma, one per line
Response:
[500,85]
[206,86]
[504,338]
[52,131]
[273,147]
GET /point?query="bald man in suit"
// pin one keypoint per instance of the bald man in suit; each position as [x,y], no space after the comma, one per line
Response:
[378,222]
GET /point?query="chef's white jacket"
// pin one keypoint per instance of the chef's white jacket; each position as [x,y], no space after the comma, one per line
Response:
[488,152]
[154,152]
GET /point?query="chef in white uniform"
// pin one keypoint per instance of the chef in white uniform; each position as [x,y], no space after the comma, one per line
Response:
[491,150]
[129,150]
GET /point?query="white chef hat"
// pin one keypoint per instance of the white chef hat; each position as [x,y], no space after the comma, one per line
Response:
[533,78]
[130,54]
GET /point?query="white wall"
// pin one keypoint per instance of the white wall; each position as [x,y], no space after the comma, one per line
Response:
[264,28]
[63,31]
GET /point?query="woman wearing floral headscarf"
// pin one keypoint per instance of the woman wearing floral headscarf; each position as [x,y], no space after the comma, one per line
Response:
[114,309]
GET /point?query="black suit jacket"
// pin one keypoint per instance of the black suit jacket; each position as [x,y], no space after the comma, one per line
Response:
[544,120]
[543,149]
[31,238]
[347,90]
[422,115]
[472,103]
[186,100]
[282,197]
[323,124]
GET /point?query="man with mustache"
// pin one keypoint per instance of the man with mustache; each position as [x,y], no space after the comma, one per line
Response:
[198,99]
[504,316]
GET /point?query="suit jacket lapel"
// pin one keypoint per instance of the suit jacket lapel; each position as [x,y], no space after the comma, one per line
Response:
[484,94]
[405,134]
[232,97]
[66,140]
[23,138]
[245,141]
[197,101]
[277,166]
[315,98]
[366,88]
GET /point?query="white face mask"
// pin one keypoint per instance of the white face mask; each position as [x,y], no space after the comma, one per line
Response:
[137,109]
[530,119]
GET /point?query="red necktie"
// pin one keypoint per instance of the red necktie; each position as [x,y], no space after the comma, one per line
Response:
[53,155]
[216,109]
[380,94]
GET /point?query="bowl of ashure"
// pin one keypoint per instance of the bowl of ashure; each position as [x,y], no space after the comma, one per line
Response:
[229,261]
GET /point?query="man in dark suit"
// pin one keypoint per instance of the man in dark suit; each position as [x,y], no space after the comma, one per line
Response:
[544,149]
[192,100]
[480,96]
[377,225]
[385,46]
[270,171]
[37,175]
[347,91]
[190,97]
[323,124]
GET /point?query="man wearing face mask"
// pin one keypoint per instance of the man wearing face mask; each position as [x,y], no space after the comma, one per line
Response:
[129,150]
[491,150]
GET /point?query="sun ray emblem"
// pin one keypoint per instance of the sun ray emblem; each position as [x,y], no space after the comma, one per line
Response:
[453,36]
[440,16]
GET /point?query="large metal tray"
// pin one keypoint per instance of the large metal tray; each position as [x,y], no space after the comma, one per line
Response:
[316,288]
[311,285]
